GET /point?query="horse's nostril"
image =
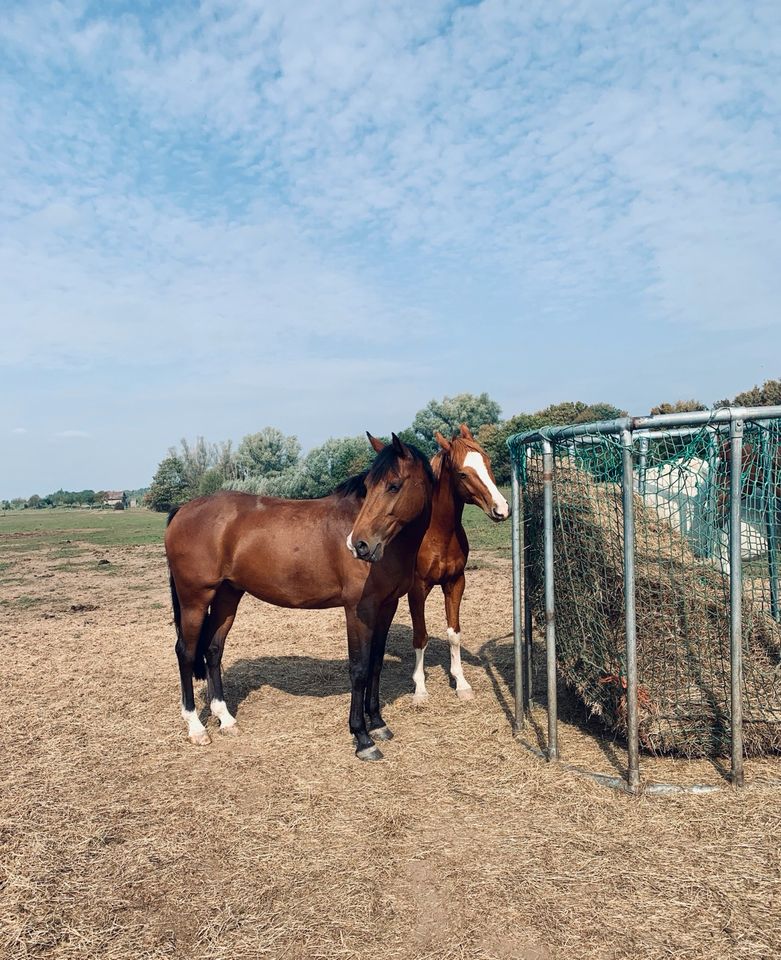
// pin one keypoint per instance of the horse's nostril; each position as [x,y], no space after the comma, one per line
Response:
[362,548]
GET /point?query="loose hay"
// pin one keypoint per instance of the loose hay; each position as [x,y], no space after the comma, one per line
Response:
[120,841]
[682,612]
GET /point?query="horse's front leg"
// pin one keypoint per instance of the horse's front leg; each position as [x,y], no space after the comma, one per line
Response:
[417,608]
[377,726]
[360,628]
[454,591]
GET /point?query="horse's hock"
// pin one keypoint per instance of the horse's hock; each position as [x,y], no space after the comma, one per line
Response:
[647,549]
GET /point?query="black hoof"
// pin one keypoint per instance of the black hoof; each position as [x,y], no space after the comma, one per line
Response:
[369,753]
[381,733]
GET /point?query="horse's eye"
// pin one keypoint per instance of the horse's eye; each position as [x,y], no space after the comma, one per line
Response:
[462,475]
[394,487]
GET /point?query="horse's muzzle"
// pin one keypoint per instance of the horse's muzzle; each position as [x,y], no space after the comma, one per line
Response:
[370,554]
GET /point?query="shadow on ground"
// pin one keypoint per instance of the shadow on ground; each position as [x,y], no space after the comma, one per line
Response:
[305,676]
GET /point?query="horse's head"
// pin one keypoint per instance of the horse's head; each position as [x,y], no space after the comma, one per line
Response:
[399,486]
[472,474]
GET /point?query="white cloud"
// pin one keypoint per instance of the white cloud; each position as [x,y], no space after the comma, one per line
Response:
[303,195]
[549,143]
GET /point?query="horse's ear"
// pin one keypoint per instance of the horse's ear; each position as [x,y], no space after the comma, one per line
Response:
[377,444]
[466,433]
[442,441]
[398,446]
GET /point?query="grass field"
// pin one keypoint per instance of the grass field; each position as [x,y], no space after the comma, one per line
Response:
[121,841]
[40,529]
[45,528]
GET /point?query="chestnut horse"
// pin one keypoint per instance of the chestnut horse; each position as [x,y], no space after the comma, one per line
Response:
[463,474]
[355,548]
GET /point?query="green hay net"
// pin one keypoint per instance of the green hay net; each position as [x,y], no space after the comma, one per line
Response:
[682,581]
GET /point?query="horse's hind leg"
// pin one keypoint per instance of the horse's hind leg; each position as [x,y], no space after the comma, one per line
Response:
[454,591]
[221,616]
[191,662]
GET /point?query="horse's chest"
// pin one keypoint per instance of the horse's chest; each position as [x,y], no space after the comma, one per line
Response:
[442,562]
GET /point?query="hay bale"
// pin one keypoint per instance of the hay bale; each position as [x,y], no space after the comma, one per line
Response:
[682,622]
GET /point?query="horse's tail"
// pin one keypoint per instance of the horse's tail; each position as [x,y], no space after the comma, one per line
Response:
[199,665]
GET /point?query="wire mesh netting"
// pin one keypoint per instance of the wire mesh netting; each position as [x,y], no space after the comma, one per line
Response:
[682,573]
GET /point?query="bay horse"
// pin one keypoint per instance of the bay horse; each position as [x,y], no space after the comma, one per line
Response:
[354,548]
[463,474]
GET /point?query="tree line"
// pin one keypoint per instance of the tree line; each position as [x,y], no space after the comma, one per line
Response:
[67,498]
[270,462]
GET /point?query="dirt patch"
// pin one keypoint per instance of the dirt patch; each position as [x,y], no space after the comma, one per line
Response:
[120,840]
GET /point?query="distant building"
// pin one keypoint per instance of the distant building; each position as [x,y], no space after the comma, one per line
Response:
[114,500]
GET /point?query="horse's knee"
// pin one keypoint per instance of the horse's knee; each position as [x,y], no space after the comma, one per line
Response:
[359,674]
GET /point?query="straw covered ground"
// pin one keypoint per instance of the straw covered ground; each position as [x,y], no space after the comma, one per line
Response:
[120,840]
[682,617]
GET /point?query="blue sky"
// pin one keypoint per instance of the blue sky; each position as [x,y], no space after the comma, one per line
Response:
[222,215]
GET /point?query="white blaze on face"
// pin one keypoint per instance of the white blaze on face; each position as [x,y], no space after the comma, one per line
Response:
[475,460]
[350,546]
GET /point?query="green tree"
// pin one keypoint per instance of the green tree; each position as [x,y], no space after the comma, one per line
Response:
[322,469]
[446,415]
[210,481]
[169,487]
[493,437]
[34,502]
[768,395]
[266,453]
[199,457]
[326,466]
[680,406]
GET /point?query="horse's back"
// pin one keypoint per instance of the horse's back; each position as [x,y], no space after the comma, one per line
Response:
[288,552]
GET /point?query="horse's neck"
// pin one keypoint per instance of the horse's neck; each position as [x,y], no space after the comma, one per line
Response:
[446,505]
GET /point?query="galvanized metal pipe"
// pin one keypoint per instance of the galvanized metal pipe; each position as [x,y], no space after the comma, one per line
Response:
[771,502]
[550,605]
[518,592]
[633,727]
[527,624]
[735,600]
[724,415]
[642,466]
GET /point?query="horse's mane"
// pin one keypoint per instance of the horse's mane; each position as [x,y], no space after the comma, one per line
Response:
[384,462]
[353,486]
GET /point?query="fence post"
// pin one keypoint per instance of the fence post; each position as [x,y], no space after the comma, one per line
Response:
[518,598]
[550,607]
[735,599]
[633,729]
[642,466]
[527,619]
[770,496]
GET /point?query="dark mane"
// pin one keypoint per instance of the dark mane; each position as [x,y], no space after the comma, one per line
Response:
[353,486]
[384,462]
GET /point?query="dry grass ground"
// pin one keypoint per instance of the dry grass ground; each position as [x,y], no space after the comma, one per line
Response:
[118,839]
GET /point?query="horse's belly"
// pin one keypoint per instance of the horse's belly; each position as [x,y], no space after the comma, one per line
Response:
[287,583]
